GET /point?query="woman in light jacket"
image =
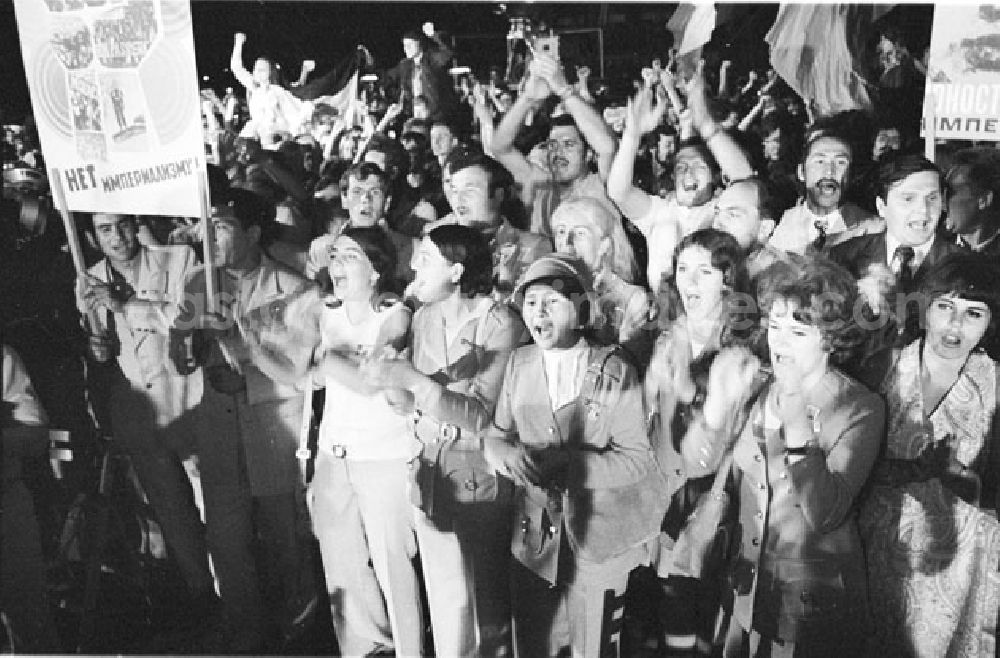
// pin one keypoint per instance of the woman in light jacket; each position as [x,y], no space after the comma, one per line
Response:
[461,340]
[569,431]
[801,459]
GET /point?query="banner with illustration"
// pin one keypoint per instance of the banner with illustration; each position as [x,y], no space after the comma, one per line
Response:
[963,72]
[114,90]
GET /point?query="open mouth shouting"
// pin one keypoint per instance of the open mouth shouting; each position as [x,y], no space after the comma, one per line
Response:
[827,187]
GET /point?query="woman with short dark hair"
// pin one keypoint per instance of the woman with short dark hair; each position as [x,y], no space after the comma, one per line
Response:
[460,341]
[929,524]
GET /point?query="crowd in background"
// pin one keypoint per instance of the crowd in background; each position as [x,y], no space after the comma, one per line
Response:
[497,349]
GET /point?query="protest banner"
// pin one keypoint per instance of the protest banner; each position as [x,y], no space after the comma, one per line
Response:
[963,72]
[114,89]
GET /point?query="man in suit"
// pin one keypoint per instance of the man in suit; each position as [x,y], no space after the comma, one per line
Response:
[424,72]
[973,189]
[890,265]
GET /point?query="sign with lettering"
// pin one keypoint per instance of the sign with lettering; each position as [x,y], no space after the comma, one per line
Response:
[114,89]
[963,72]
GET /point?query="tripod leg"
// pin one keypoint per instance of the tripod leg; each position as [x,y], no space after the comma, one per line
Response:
[96,542]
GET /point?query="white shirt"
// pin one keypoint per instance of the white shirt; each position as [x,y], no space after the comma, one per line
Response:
[797,228]
[564,370]
[365,425]
[664,225]
[920,251]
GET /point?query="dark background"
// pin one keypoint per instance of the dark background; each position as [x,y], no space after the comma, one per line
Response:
[290,31]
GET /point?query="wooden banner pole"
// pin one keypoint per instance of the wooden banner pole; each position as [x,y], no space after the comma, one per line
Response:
[208,244]
[73,239]
[930,125]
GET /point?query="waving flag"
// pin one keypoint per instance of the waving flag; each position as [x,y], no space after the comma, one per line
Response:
[692,26]
[809,50]
[339,87]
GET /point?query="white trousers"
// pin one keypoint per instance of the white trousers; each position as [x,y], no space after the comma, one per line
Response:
[364,522]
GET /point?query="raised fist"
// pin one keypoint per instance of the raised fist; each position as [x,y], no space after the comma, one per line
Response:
[240,38]
[429,28]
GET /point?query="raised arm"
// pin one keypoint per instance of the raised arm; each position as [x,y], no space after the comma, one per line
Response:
[236,62]
[536,90]
[724,78]
[308,66]
[441,54]
[643,114]
[391,112]
[481,108]
[732,161]
[751,116]
[592,126]
[582,75]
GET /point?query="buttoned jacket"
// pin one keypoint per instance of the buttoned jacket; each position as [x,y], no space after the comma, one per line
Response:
[613,494]
[799,562]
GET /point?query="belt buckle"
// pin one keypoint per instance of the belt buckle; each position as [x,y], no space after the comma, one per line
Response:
[339,451]
[449,432]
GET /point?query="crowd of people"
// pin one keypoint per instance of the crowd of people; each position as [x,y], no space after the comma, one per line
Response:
[502,362]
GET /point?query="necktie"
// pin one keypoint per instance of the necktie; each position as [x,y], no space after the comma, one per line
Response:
[418,85]
[901,266]
[820,226]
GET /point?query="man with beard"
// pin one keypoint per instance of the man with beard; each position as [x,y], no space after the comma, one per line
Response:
[698,166]
[575,140]
[476,189]
[822,219]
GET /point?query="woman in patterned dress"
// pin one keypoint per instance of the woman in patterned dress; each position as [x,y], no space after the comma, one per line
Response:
[929,522]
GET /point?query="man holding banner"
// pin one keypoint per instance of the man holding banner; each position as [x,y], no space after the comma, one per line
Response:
[132,291]
[248,428]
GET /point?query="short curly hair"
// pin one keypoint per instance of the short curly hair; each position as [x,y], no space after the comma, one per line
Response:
[824,295]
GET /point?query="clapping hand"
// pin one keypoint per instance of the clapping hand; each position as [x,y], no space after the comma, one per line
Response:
[697,98]
[549,69]
[535,86]
[729,384]
[394,110]
[644,112]
[512,460]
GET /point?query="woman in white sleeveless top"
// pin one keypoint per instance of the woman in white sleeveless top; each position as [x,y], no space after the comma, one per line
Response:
[360,506]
